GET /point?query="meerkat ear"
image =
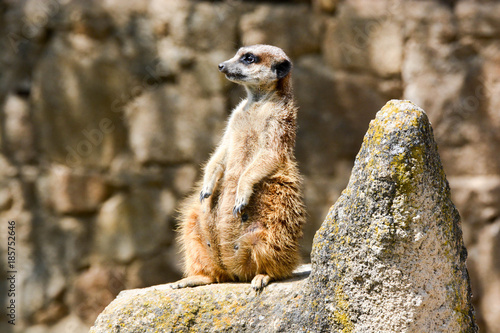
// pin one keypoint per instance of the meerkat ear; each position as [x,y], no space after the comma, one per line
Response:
[282,69]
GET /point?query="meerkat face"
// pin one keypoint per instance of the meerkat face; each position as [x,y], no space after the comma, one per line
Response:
[257,65]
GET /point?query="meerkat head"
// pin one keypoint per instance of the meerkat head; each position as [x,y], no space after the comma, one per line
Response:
[259,68]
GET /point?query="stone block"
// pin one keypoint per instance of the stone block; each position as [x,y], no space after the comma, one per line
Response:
[173,57]
[132,225]
[19,129]
[429,22]
[79,123]
[43,289]
[94,289]
[73,192]
[478,19]
[477,198]
[293,28]
[386,48]
[163,129]
[71,323]
[360,41]
[7,169]
[488,90]
[199,25]
[332,123]
[75,242]
[486,261]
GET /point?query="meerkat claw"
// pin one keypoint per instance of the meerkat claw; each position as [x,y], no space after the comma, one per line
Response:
[204,194]
[238,208]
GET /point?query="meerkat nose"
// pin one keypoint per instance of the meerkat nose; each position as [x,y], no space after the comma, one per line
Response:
[222,67]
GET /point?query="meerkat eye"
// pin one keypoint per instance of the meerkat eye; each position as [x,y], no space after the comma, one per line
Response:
[249,58]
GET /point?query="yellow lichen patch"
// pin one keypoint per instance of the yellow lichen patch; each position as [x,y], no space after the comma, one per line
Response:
[341,312]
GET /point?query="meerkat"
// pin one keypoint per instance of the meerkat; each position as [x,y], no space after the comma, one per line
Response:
[245,220]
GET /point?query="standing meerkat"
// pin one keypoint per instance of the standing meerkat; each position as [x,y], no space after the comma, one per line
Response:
[245,220]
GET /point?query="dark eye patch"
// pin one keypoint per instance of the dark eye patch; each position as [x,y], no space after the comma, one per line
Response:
[249,58]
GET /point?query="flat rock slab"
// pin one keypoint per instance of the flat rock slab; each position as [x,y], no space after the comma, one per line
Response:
[233,307]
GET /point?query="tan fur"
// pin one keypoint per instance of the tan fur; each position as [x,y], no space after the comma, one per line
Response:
[249,221]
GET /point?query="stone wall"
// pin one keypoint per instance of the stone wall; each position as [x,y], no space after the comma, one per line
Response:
[109,107]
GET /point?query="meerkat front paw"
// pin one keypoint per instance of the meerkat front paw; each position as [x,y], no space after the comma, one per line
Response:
[239,205]
[207,190]
[260,281]
[205,193]
[242,199]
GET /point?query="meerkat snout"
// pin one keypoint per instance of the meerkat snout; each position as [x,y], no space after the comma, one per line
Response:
[232,71]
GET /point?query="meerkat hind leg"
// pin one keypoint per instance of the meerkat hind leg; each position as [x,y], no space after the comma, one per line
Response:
[192,281]
[260,281]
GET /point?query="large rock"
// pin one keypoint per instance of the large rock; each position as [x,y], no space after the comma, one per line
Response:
[389,256]
[392,244]
[229,307]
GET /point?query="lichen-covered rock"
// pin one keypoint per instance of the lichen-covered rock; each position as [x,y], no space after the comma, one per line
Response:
[389,257]
[228,307]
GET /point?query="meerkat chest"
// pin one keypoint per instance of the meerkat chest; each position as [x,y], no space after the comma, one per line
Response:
[248,132]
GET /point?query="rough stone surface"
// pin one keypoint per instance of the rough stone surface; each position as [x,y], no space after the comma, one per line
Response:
[71,192]
[125,98]
[296,30]
[161,116]
[388,257]
[130,226]
[19,131]
[228,307]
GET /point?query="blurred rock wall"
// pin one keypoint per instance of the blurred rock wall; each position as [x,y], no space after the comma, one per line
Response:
[108,108]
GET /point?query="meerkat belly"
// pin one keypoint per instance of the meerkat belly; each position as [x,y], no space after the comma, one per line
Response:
[240,157]
[244,146]
[244,238]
